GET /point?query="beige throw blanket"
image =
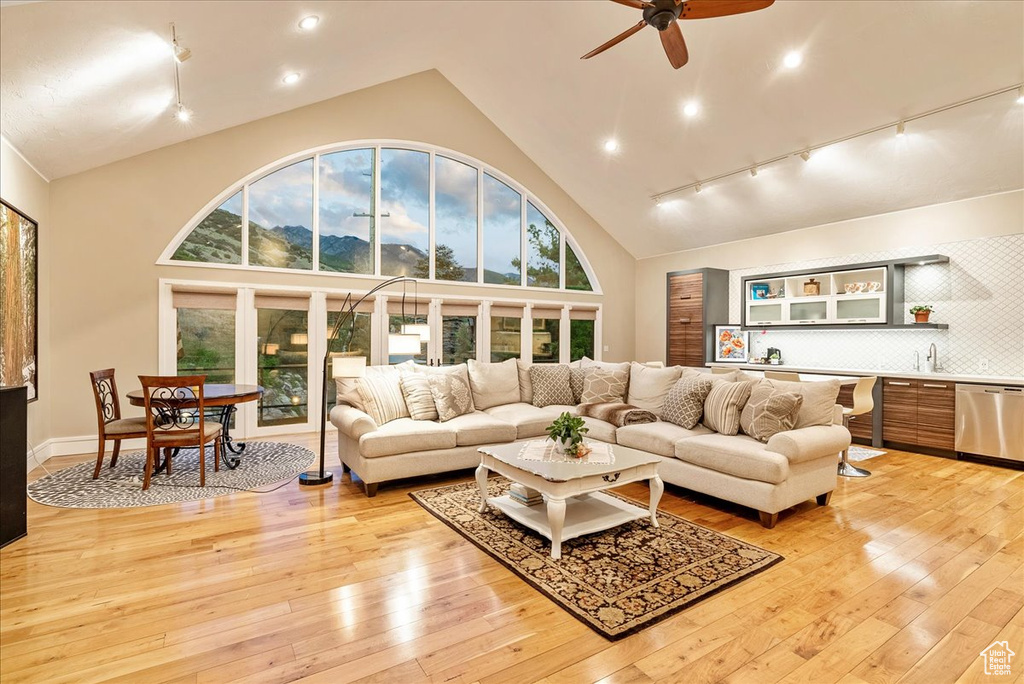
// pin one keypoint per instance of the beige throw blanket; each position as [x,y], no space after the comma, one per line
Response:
[616,413]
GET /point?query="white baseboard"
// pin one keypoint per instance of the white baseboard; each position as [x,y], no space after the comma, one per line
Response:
[67,446]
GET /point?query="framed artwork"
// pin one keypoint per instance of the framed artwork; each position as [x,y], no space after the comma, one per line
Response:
[731,344]
[759,291]
[19,265]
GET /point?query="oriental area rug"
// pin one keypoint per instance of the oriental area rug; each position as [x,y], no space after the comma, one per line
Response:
[616,582]
[261,464]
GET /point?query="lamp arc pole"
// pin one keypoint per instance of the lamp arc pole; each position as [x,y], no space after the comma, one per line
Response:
[347,317]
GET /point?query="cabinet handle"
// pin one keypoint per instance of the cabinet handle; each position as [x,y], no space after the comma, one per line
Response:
[611,478]
[764,322]
[925,384]
[684,320]
[686,296]
[901,384]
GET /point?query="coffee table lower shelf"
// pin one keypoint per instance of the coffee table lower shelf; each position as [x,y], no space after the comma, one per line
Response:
[584,514]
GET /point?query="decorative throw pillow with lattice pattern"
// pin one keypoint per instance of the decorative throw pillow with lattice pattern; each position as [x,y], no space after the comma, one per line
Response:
[452,394]
[604,385]
[550,384]
[684,403]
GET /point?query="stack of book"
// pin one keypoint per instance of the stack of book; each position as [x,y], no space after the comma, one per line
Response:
[524,495]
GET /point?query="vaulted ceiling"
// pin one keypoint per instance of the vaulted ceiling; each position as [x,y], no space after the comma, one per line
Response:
[86,83]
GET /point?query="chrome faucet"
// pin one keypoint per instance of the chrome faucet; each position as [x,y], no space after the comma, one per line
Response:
[917,360]
[933,358]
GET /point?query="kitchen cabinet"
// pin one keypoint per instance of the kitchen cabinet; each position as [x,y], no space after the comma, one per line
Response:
[697,301]
[918,412]
[861,427]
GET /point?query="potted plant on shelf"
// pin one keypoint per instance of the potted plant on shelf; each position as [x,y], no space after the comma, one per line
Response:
[921,313]
[567,433]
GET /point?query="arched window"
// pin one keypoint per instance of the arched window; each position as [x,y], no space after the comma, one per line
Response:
[384,209]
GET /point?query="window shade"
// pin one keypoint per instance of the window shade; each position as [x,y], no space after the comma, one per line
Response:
[583,314]
[184,298]
[412,306]
[463,308]
[546,312]
[285,302]
[508,310]
[337,303]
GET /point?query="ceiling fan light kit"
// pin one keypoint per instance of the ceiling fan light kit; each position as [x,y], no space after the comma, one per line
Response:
[664,15]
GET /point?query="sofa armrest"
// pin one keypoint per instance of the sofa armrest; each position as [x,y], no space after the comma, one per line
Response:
[809,443]
[351,421]
[837,414]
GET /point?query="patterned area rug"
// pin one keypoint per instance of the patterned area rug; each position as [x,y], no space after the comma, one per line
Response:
[618,581]
[859,453]
[262,464]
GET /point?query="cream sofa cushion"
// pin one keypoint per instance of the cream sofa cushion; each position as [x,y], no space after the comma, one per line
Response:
[648,386]
[405,435]
[525,384]
[600,430]
[737,455]
[480,428]
[381,393]
[819,399]
[528,420]
[587,362]
[657,438]
[494,384]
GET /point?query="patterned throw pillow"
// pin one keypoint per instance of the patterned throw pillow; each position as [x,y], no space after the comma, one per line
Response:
[684,403]
[604,385]
[576,376]
[418,397]
[723,406]
[452,394]
[381,394]
[550,384]
[769,411]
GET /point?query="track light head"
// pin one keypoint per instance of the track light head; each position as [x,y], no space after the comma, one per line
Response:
[901,128]
[806,155]
[182,113]
[753,171]
[697,187]
[181,54]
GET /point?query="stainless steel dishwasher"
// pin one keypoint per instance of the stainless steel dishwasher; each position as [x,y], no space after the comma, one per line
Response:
[990,421]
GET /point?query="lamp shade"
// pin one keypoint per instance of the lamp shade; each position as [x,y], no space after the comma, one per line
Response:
[348,366]
[271,348]
[403,345]
[420,329]
[300,338]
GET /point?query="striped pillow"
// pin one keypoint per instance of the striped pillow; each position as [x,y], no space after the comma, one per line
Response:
[769,411]
[381,393]
[723,406]
[418,398]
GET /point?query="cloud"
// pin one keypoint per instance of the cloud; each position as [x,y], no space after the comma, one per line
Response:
[284,198]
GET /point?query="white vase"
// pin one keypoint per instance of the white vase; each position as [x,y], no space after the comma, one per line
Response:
[562,445]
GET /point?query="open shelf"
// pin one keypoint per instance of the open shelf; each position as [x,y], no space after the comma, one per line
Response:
[853,326]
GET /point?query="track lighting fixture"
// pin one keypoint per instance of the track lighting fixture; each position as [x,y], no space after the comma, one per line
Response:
[697,187]
[182,113]
[753,171]
[806,155]
[901,128]
[180,54]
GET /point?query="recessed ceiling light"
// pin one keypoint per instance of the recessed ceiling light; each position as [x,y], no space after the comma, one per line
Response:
[291,78]
[611,145]
[792,60]
[309,23]
[691,109]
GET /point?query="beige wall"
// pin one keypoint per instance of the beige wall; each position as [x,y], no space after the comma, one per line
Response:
[22,187]
[112,223]
[989,216]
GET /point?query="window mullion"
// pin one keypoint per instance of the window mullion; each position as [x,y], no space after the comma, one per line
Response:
[316,213]
[522,240]
[479,225]
[431,229]
[245,225]
[376,211]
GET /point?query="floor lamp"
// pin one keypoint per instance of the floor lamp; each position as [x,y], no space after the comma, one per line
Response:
[352,367]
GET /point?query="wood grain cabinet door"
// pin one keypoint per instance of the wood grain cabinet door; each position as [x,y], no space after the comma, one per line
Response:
[936,420]
[686,320]
[899,410]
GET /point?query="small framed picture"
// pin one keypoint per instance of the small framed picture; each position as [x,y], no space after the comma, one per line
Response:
[731,344]
[759,291]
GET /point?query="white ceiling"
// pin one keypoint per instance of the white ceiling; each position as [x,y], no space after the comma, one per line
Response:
[86,83]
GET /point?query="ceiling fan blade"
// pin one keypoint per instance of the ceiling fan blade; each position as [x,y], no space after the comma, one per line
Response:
[636,4]
[675,46]
[706,9]
[615,41]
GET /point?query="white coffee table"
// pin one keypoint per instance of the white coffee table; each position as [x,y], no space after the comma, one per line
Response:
[574,502]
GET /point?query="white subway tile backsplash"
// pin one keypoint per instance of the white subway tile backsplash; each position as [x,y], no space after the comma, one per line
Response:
[979,293]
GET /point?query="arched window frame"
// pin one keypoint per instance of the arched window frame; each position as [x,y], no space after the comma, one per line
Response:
[565,237]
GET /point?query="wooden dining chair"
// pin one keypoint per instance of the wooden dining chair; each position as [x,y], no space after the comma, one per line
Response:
[176,418]
[110,423]
[788,376]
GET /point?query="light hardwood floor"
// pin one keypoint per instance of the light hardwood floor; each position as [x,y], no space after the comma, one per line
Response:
[905,577]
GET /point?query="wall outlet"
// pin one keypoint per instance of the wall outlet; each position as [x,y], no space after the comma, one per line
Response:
[982,363]
[607,348]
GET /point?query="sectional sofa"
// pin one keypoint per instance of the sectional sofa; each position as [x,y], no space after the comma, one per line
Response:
[791,467]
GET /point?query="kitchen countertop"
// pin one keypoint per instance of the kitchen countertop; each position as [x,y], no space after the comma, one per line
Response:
[885,373]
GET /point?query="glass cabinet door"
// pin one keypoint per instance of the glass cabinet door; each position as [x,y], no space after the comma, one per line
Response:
[765,314]
[860,309]
[807,311]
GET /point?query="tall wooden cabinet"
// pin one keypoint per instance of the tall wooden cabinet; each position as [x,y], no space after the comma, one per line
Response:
[697,301]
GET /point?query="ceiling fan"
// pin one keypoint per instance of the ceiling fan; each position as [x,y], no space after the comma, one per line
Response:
[664,15]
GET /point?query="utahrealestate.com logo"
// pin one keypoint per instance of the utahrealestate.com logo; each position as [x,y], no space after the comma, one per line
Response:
[997,656]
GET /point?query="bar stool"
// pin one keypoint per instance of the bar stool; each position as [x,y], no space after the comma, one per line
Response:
[862,403]
[788,376]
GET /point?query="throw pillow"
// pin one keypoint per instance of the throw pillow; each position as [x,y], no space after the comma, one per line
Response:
[348,392]
[494,384]
[576,376]
[684,403]
[769,411]
[418,397]
[649,386]
[453,396]
[601,385]
[819,400]
[550,384]
[525,385]
[587,362]
[723,406]
[381,393]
